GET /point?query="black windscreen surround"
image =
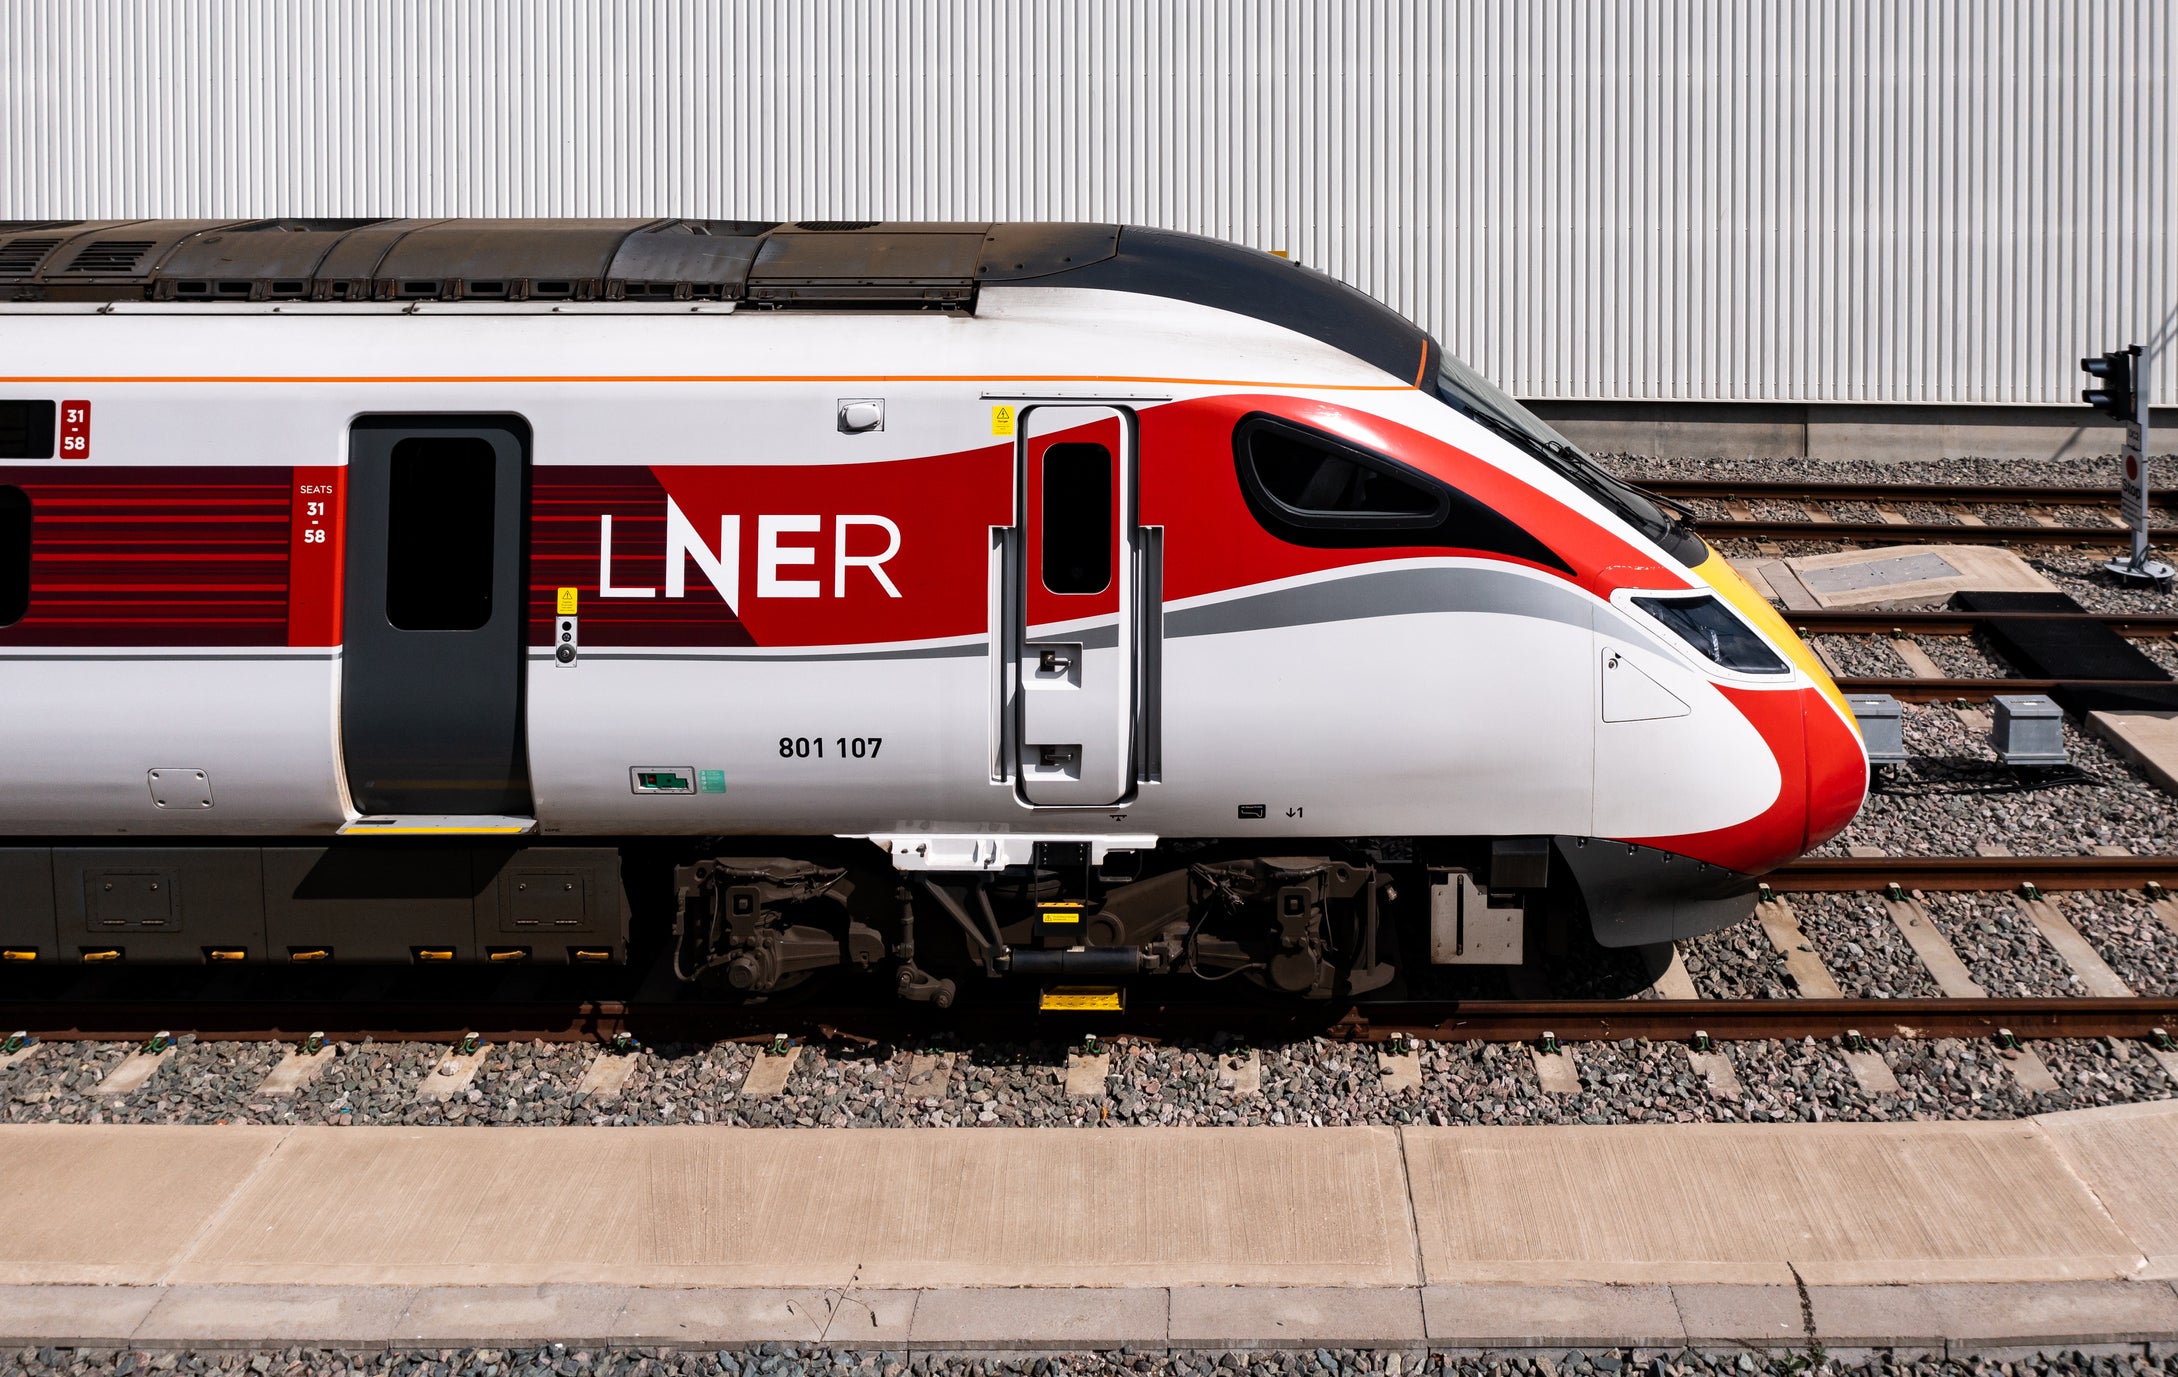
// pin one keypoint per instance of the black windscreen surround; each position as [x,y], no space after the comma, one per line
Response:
[14,554]
[1077,534]
[439,534]
[26,430]
[1315,489]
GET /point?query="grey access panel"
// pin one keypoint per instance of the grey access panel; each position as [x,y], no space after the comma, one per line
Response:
[26,901]
[550,900]
[166,904]
[372,900]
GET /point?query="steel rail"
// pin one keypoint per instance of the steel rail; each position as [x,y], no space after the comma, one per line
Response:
[1853,874]
[1149,1018]
[1913,533]
[1910,690]
[1989,494]
[1946,621]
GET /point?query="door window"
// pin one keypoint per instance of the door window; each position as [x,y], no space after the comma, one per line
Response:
[439,518]
[1077,534]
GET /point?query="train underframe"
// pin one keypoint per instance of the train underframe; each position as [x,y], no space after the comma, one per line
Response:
[753,918]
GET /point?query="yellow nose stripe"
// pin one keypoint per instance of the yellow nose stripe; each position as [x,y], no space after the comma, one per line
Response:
[1718,573]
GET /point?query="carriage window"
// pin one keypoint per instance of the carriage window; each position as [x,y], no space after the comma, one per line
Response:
[439,534]
[1319,482]
[1077,518]
[26,430]
[1310,488]
[14,555]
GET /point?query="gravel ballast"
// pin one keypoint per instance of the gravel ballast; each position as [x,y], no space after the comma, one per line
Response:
[1313,1081]
[1953,794]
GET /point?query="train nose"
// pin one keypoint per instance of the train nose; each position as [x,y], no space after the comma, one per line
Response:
[1837,766]
[1835,763]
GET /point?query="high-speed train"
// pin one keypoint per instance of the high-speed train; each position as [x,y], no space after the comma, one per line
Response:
[959,603]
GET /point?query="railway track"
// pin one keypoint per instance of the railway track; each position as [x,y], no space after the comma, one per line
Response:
[517,1009]
[1893,527]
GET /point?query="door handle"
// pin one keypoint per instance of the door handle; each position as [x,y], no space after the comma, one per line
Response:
[1050,661]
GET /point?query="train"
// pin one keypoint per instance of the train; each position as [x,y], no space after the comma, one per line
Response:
[966,606]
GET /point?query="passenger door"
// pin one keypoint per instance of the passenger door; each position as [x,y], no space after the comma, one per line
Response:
[431,717]
[1076,606]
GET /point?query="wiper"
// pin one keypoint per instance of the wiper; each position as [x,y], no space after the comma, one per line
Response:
[1577,468]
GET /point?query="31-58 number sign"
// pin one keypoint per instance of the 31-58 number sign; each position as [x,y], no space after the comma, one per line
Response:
[75,430]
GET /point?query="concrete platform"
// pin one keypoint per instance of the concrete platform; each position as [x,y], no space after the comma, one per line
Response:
[1948,1237]
[2148,739]
[1899,574]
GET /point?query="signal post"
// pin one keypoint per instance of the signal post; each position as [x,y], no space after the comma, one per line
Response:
[2118,394]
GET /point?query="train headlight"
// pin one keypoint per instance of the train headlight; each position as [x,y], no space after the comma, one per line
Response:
[1704,622]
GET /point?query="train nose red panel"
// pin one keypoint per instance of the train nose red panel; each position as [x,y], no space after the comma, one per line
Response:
[1837,769]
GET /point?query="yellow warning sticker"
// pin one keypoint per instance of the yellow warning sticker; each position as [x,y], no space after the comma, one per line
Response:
[568,597]
[1002,421]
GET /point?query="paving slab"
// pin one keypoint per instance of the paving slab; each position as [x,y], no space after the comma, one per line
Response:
[701,1206]
[2148,739]
[1055,1319]
[1543,1316]
[1912,573]
[91,1316]
[1296,1317]
[2122,1154]
[116,1205]
[274,1316]
[688,1317]
[1726,1315]
[1976,1318]
[473,1316]
[1839,1203]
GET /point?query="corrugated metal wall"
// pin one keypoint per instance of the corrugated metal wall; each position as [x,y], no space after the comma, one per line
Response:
[1838,200]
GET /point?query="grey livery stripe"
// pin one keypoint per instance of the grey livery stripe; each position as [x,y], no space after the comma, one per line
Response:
[1387,593]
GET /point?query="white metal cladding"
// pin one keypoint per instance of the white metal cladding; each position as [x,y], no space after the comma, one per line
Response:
[1840,200]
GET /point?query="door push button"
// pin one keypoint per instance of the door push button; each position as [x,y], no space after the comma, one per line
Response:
[861,415]
[564,653]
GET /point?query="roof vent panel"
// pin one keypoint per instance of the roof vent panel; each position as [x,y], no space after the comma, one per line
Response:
[110,257]
[21,257]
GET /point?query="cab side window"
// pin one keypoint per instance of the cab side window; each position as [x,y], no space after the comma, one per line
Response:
[14,554]
[26,430]
[1311,488]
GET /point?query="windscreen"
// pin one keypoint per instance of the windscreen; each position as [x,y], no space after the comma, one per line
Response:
[1479,399]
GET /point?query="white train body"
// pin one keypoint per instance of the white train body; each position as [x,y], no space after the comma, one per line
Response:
[790,573]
